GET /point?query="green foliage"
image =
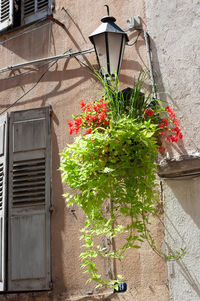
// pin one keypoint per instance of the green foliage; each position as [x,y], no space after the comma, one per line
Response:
[112,173]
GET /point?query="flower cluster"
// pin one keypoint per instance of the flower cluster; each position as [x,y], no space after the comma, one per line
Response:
[168,125]
[93,115]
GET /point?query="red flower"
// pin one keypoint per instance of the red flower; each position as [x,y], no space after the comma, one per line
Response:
[76,130]
[88,131]
[78,121]
[176,122]
[70,124]
[164,123]
[96,107]
[82,103]
[71,131]
[94,117]
[149,112]
[170,111]
[102,116]
[161,149]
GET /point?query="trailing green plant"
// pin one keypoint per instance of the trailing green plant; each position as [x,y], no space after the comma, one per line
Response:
[111,170]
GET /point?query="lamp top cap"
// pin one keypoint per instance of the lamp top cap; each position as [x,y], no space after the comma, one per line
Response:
[108,19]
[108,25]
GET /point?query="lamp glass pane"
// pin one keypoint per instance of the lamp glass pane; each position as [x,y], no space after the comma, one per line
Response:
[100,45]
[114,42]
[122,52]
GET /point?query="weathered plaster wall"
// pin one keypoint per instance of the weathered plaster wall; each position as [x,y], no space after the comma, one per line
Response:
[182,219]
[174,29]
[62,87]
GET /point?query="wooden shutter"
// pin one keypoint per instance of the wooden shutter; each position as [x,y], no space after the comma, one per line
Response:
[29,200]
[33,10]
[6,13]
[3,196]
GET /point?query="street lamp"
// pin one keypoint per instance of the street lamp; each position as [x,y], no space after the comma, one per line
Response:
[109,42]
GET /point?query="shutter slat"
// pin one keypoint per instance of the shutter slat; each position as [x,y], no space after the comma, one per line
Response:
[29,200]
[33,10]
[42,4]
[27,180]
[6,14]
[20,188]
[27,184]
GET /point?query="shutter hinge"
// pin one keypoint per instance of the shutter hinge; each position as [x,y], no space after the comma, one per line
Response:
[51,284]
[51,209]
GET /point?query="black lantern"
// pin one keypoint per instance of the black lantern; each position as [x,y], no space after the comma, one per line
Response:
[109,42]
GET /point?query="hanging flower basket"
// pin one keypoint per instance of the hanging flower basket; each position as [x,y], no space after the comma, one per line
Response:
[112,165]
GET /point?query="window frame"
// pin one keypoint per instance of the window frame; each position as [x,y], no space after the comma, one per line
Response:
[9,26]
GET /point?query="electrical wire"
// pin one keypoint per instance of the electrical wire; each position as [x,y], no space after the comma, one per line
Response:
[16,75]
[29,71]
[27,31]
[73,54]
[46,59]
[24,73]
[37,82]
[84,64]
[135,39]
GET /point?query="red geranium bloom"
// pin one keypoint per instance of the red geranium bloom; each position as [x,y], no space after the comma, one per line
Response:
[170,111]
[70,124]
[88,131]
[94,117]
[82,103]
[71,131]
[149,112]
[102,116]
[78,121]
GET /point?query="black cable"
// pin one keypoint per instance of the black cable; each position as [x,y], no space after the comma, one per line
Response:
[135,39]
[84,64]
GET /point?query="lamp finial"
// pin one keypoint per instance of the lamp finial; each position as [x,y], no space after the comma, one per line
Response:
[108,12]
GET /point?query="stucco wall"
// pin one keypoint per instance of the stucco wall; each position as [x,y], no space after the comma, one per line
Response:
[62,87]
[174,29]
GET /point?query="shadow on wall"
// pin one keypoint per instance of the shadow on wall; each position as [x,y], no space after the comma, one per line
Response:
[187,192]
[60,78]
[163,95]
[31,45]
[184,227]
